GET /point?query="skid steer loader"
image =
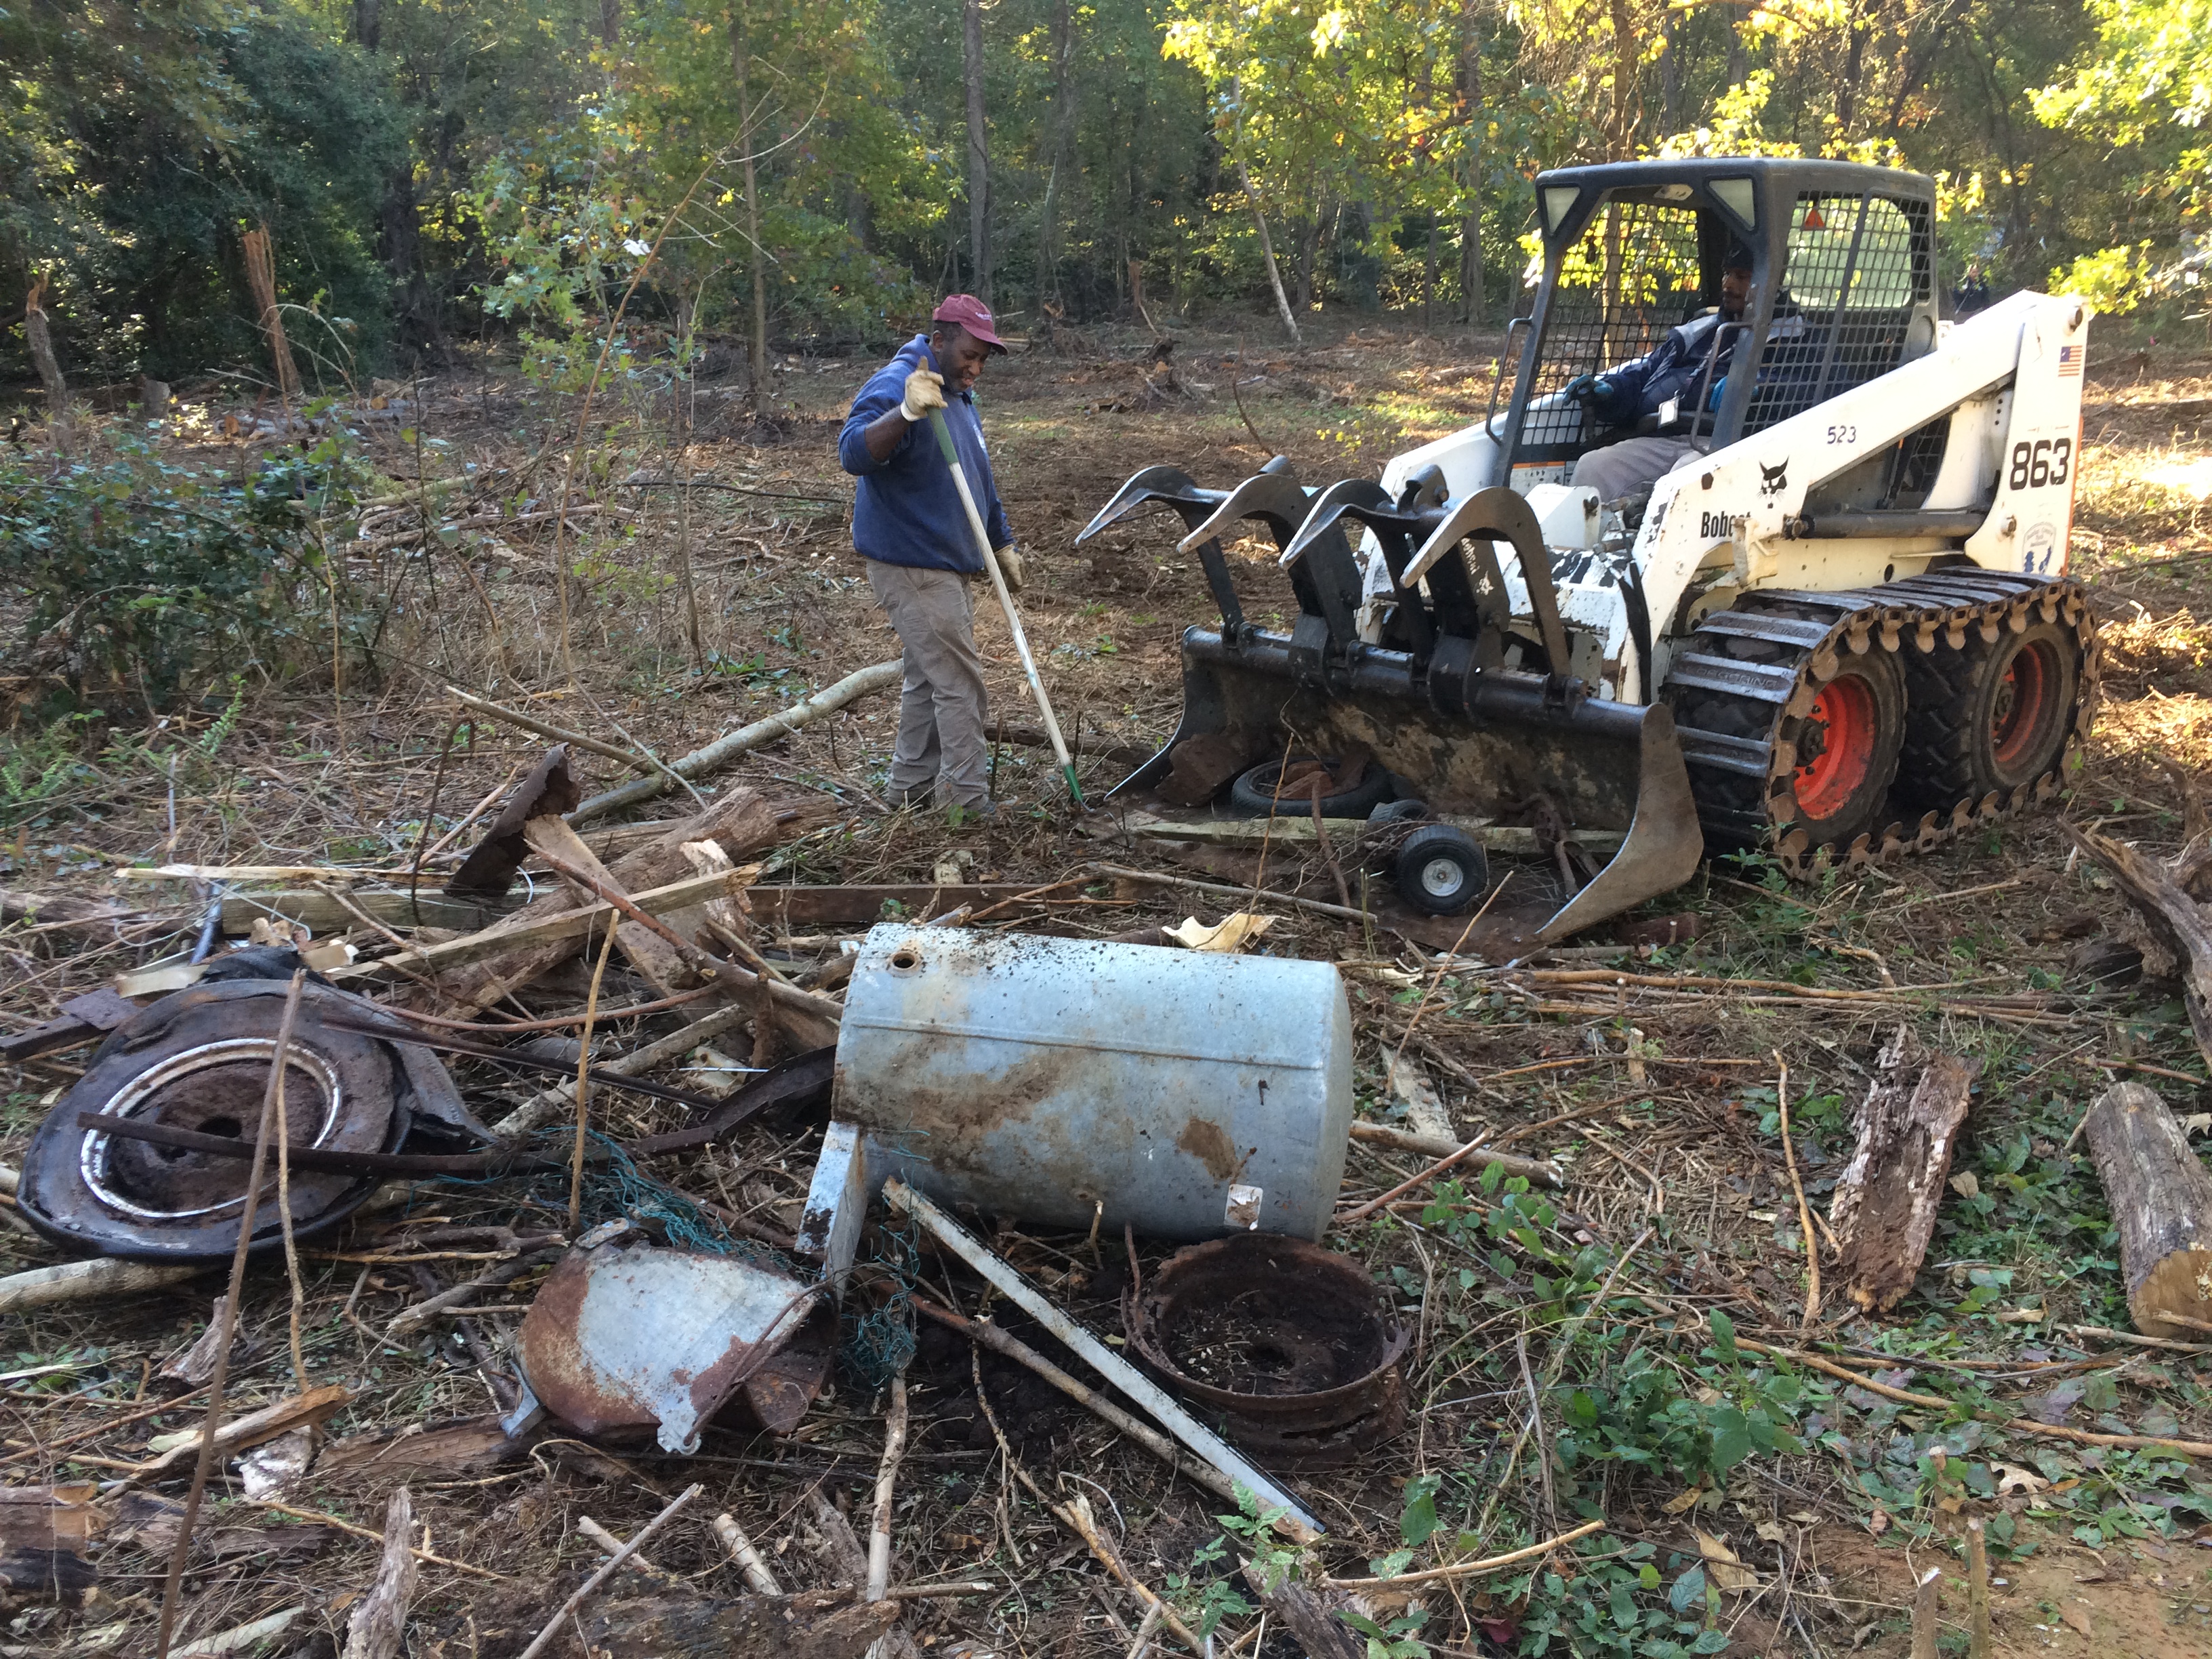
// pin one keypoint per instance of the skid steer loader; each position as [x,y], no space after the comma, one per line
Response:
[1841,629]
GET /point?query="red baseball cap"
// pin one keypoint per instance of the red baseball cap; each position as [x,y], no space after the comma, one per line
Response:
[972,314]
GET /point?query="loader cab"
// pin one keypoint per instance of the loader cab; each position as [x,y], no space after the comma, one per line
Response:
[1843,289]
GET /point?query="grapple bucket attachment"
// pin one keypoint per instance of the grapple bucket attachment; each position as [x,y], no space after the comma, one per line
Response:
[1434,702]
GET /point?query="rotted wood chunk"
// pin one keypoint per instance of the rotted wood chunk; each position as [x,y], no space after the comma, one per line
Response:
[2160,1198]
[1884,1211]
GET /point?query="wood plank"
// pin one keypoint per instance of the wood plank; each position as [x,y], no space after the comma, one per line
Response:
[395,907]
[781,909]
[653,956]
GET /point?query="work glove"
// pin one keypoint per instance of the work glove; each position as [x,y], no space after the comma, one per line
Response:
[1010,567]
[924,392]
[1588,388]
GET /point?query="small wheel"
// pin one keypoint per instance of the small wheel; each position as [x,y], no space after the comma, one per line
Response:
[1399,811]
[1253,793]
[1990,717]
[1847,748]
[1441,871]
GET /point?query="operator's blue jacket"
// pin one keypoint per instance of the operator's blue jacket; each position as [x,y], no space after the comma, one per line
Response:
[906,510]
[1671,369]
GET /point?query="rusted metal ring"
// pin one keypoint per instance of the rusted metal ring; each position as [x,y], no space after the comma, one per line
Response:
[93,1159]
[1300,1299]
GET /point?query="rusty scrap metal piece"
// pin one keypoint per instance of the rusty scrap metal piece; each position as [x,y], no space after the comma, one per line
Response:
[623,1339]
[548,792]
[1290,1346]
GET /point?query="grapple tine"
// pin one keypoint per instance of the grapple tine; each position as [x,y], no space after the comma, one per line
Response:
[1347,498]
[1498,515]
[1664,841]
[1151,483]
[1277,498]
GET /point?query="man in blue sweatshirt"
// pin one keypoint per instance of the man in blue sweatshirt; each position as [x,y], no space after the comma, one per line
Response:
[922,559]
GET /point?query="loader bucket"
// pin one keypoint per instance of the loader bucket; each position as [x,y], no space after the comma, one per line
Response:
[1472,735]
[1605,765]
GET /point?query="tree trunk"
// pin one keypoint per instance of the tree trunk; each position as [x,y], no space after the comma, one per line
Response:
[42,355]
[756,355]
[979,151]
[1739,56]
[1884,1209]
[2160,1199]
[1627,108]
[609,23]
[1429,279]
[1475,301]
[1670,74]
[1267,252]
[1063,113]
[369,24]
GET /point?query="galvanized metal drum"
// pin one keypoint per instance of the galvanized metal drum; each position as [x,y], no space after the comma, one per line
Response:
[1069,1082]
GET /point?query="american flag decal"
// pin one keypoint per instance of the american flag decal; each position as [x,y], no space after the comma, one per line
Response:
[2070,360]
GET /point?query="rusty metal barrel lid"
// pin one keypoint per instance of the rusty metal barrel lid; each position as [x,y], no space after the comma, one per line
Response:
[1295,1346]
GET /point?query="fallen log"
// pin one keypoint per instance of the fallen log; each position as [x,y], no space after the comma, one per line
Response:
[1884,1210]
[2160,1199]
[705,762]
[80,1281]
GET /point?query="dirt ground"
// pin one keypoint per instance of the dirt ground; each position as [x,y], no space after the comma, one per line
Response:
[1679,1200]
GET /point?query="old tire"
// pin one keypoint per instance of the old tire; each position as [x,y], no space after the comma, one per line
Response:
[1253,791]
[1988,718]
[1440,871]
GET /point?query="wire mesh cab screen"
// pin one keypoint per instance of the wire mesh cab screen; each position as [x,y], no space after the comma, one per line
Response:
[1854,269]
[1633,275]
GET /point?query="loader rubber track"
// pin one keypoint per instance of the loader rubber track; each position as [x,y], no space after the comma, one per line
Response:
[1744,683]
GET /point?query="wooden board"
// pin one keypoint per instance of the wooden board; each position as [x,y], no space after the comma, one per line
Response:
[395,907]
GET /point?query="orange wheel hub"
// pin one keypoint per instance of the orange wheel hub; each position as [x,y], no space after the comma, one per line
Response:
[1845,715]
[2021,709]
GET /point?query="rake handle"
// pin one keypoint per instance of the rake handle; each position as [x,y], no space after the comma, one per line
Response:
[1006,602]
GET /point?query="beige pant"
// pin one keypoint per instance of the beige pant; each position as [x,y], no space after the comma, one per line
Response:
[1631,466]
[941,705]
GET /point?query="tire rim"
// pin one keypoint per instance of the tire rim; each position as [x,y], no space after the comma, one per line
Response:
[1443,879]
[2020,713]
[1845,715]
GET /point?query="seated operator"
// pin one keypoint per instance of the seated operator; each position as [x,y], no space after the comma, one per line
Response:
[1657,387]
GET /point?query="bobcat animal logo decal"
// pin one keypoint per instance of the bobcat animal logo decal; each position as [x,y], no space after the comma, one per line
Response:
[1773,480]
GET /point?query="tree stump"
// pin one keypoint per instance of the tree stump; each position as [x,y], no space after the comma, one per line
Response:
[1884,1210]
[2161,1202]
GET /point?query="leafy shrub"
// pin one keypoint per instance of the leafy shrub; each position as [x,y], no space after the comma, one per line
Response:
[131,570]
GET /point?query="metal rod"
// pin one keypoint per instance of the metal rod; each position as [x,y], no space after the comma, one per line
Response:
[1005,603]
[1108,1364]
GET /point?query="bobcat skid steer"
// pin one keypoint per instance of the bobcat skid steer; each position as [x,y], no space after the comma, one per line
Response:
[1841,628]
